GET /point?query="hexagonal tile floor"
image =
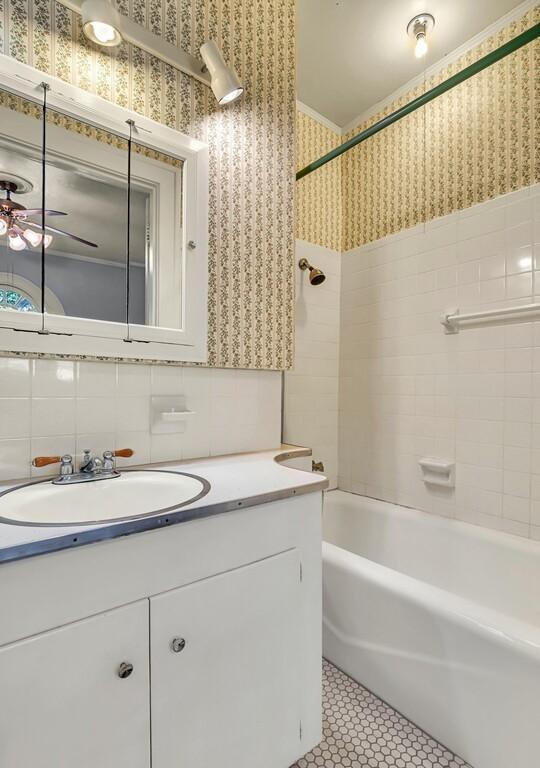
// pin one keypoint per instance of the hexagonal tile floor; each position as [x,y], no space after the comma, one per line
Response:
[361,731]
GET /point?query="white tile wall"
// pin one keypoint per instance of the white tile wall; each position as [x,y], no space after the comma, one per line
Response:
[408,390]
[49,407]
[311,388]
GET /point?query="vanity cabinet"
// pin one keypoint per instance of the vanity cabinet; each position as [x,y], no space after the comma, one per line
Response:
[220,619]
[62,702]
[224,655]
[225,660]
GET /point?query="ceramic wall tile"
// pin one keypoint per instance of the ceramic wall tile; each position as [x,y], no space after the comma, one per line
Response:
[408,390]
[233,411]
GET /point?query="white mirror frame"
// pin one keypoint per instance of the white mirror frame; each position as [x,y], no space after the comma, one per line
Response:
[137,342]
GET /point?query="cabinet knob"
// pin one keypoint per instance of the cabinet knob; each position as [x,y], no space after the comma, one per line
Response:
[178,644]
[125,669]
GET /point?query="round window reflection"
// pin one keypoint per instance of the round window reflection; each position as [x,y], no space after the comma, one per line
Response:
[15,299]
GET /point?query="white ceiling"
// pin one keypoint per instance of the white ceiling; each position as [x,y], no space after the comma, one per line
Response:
[354,53]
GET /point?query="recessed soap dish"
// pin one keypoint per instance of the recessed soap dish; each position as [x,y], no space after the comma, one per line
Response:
[438,472]
[175,416]
[169,414]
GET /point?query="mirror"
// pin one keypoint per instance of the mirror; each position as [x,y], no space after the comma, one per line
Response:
[86,198]
[122,197]
[20,190]
[156,213]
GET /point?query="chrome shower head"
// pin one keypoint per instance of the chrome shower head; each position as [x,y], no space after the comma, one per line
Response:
[316,275]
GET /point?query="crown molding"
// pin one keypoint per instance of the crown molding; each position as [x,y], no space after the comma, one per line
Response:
[301,107]
[513,15]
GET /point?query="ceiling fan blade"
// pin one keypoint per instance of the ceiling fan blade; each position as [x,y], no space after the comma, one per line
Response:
[37,212]
[62,233]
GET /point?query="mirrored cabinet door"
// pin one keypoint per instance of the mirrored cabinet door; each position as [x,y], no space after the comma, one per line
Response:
[157,246]
[103,227]
[86,194]
[21,267]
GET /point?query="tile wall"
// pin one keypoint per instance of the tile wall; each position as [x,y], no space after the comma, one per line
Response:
[49,407]
[311,387]
[408,391]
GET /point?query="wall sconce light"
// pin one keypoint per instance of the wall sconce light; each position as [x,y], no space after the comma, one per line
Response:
[101,22]
[224,81]
[418,28]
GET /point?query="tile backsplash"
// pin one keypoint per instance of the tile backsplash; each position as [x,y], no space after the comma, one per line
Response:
[50,407]
[408,390]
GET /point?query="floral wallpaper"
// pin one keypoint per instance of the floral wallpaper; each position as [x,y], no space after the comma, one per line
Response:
[318,196]
[252,143]
[478,141]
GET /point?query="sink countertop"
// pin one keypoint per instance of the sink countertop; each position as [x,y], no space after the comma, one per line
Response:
[237,481]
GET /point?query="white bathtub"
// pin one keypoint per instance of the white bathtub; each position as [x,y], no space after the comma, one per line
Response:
[441,619]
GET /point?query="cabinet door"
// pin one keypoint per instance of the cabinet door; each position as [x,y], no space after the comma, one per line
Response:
[225,657]
[63,703]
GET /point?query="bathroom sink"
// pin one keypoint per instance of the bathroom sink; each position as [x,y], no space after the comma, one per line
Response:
[133,494]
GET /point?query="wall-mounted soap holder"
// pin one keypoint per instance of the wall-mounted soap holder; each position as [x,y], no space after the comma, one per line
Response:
[169,414]
[438,472]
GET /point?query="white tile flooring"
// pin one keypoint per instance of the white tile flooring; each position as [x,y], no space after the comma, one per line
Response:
[360,730]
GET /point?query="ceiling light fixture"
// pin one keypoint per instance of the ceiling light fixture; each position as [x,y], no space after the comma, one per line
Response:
[33,237]
[418,29]
[13,216]
[101,22]
[15,241]
[223,79]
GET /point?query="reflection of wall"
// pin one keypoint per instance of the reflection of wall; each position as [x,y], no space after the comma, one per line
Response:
[251,143]
[84,288]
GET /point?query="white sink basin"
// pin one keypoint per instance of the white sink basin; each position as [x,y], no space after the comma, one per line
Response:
[133,494]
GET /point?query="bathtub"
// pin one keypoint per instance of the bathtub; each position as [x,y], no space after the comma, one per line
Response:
[441,619]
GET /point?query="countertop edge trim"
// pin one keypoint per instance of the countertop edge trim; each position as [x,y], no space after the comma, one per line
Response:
[117,530]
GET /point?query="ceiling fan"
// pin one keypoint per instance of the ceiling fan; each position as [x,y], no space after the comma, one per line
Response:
[14,218]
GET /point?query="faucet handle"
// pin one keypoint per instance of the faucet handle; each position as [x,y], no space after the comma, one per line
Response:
[108,460]
[44,461]
[124,453]
[66,466]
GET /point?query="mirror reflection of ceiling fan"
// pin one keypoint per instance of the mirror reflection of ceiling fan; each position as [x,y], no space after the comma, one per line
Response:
[14,221]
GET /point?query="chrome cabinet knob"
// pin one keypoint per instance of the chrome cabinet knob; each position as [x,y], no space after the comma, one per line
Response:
[125,669]
[178,644]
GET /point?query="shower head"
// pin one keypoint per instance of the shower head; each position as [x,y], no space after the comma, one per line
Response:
[316,275]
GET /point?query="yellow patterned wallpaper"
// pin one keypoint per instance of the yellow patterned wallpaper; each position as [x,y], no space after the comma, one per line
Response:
[252,143]
[318,196]
[478,141]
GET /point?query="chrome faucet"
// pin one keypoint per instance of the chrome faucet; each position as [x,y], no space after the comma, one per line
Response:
[91,464]
[91,467]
